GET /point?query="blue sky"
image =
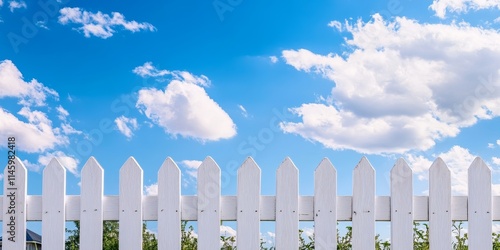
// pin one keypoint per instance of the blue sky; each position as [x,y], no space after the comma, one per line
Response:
[232,79]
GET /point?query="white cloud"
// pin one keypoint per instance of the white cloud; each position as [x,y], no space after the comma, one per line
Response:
[495,161]
[184,108]
[440,7]
[62,113]
[498,142]
[1,3]
[17,5]
[69,162]
[403,86]
[99,24]
[457,159]
[273,59]
[151,189]
[13,85]
[243,111]
[308,232]
[491,145]
[191,167]
[36,135]
[336,25]
[148,70]
[126,125]
[497,20]
[67,129]
[31,166]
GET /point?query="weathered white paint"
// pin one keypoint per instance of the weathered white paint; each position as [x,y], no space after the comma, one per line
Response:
[169,206]
[480,226]
[14,195]
[401,206]
[130,203]
[91,211]
[325,206]
[208,205]
[53,206]
[248,206]
[439,206]
[287,206]
[363,206]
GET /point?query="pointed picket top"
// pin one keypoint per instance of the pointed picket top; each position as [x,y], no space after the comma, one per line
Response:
[130,165]
[208,164]
[401,205]
[364,165]
[91,205]
[401,171]
[325,205]
[287,205]
[363,206]
[54,166]
[53,205]
[249,165]
[325,166]
[15,178]
[479,205]
[92,166]
[439,205]
[439,165]
[479,165]
[169,205]
[248,205]
[130,205]
[169,166]
[287,165]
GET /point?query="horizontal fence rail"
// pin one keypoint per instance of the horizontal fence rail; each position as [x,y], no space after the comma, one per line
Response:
[248,207]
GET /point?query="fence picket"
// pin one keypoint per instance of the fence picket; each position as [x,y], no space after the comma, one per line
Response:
[14,206]
[130,204]
[439,206]
[248,206]
[209,205]
[401,206]
[53,206]
[91,212]
[169,206]
[479,212]
[325,206]
[363,206]
[287,206]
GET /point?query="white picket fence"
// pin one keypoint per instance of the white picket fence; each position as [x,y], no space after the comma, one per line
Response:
[249,207]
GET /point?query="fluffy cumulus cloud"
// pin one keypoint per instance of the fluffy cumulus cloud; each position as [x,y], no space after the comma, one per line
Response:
[67,161]
[33,128]
[12,84]
[126,125]
[13,5]
[441,7]
[458,160]
[184,108]
[99,24]
[402,86]
[495,160]
[148,70]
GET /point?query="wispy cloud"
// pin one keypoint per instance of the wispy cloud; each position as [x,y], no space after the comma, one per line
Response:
[99,24]
[126,125]
[273,59]
[67,161]
[441,7]
[13,5]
